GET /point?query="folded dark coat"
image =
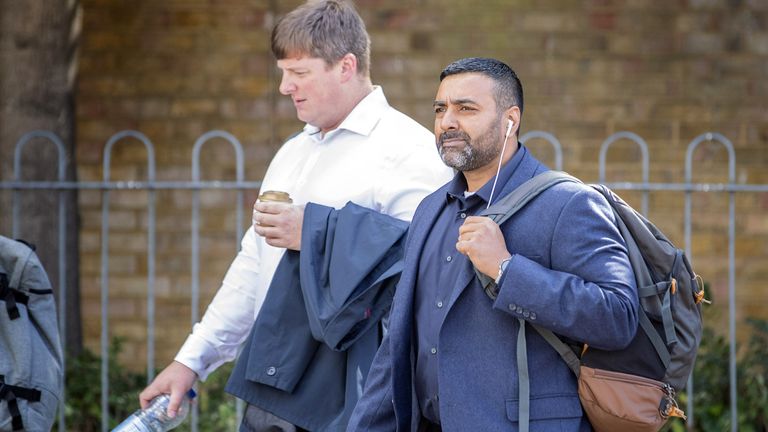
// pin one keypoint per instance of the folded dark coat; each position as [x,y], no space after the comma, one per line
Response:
[315,337]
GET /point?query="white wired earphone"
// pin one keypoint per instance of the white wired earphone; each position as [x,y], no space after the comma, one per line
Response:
[510,124]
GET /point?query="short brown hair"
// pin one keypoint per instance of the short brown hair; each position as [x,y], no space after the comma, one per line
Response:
[327,29]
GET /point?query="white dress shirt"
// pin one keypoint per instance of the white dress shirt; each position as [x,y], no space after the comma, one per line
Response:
[377,158]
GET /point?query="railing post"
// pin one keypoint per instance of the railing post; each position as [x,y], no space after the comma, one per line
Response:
[550,139]
[62,166]
[240,170]
[644,151]
[709,136]
[105,268]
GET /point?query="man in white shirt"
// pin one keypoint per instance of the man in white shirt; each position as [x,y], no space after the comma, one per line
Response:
[354,147]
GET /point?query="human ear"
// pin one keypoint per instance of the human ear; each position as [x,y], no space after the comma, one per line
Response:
[348,66]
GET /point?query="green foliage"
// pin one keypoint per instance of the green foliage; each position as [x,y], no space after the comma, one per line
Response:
[83,395]
[83,390]
[217,410]
[711,385]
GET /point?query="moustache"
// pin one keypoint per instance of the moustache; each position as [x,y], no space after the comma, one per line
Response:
[445,136]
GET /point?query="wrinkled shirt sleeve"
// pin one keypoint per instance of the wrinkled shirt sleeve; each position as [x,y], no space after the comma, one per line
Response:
[230,315]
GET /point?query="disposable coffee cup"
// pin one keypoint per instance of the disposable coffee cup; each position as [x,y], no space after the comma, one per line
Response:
[272,196]
[275,196]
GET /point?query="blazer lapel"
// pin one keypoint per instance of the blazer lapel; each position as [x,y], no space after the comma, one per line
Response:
[402,315]
[401,321]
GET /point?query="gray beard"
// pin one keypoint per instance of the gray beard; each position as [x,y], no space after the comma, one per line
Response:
[475,153]
[463,160]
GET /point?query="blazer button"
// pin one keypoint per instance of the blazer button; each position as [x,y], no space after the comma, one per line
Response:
[533,316]
[271,371]
[512,307]
[526,314]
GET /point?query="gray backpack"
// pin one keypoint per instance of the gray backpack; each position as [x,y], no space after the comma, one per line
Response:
[31,374]
[631,389]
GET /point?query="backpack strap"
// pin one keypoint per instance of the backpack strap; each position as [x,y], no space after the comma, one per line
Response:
[653,336]
[8,288]
[566,353]
[18,269]
[499,212]
[663,288]
[9,393]
[11,297]
[511,203]
[524,382]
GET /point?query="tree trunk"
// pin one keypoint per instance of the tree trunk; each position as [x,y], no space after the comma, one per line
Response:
[38,40]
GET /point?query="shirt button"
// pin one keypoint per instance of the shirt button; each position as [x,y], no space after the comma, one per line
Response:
[433,350]
[271,371]
[439,304]
[448,258]
[463,215]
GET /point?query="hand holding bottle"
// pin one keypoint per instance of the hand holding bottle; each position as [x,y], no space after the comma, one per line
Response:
[155,417]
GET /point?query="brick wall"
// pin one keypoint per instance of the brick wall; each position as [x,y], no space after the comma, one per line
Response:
[175,69]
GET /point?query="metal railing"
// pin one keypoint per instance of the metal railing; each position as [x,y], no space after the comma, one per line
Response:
[240,185]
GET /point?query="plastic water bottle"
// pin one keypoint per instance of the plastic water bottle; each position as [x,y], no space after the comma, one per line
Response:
[154,418]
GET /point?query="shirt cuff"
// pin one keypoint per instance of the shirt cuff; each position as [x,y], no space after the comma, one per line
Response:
[199,355]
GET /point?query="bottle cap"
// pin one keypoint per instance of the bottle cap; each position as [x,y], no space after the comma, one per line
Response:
[191,393]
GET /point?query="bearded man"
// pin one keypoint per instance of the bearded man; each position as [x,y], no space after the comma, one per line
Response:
[449,359]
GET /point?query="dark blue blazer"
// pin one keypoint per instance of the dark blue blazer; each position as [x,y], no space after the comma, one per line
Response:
[569,273]
[315,337]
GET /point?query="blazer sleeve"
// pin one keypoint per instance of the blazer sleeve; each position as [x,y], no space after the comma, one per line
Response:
[375,410]
[588,291]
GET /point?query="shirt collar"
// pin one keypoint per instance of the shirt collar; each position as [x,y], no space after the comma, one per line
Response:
[458,185]
[362,119]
